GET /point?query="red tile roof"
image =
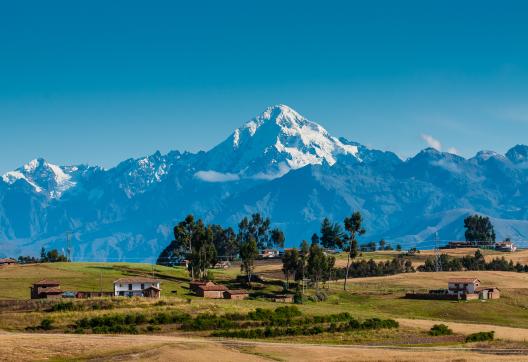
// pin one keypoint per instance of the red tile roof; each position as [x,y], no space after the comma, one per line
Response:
[154,288]
[132,280]
[7,260]
[50,291]
[463,280]
[213,288]
[47,282]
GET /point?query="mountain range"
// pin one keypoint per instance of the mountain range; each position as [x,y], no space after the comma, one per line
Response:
[279,164]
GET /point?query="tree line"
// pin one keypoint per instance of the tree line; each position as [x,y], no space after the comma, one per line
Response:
[472,262]
[50,256]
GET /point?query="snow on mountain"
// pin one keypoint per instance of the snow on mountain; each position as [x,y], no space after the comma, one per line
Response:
[44,177]
[272,144]
[279,164]
[135,176]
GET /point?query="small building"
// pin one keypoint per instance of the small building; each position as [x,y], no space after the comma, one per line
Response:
[506,246]
[136,287]
[152,292]
[462,286]
[46,289]
[222,265]
[213,291]
[193,285]
[459,289]
[269,253]
[282,298]
[237,294]
[488,293]
[7,261]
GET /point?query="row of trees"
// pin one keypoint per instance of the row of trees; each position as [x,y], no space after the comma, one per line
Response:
[203,245]
[308,262]
[318,264]
[372,246]
[472,262]
[51,256]
[364,268]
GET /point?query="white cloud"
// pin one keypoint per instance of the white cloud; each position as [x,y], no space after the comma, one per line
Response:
[271,175]
[214,176]
[453,150]
[432,142]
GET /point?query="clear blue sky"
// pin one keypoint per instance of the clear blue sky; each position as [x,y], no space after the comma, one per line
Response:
[98,82]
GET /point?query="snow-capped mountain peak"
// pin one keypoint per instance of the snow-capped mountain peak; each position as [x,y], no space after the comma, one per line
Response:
[275,142]
[44,177]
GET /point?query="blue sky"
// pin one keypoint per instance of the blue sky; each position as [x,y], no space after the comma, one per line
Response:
[99,82]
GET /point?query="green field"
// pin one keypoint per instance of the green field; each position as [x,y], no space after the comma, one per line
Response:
[365,297]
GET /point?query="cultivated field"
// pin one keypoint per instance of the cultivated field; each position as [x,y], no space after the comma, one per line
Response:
[171,348]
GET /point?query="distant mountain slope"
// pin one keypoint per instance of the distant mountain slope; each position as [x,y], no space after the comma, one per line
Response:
[279,164]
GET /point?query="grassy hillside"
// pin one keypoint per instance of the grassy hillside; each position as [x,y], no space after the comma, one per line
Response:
[366,297]
[16,280]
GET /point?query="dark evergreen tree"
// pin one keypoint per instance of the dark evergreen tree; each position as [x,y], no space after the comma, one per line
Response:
[479,228]
[331,235]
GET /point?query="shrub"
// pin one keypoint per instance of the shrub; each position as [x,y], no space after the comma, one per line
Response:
[376,323]
[64,306]
[46,324]
[440,330]
[481,336]
[319,297]
[298,298]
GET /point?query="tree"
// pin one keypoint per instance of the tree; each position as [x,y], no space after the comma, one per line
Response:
[331,235]
[315,239]
[225,241]
[354,228]
[303,258]
[52,256]
[479,228]
[203,255]
[398,247]
[181,246]
[290,264]
[194,241]
[382,244]
[248,254]
[259,228]
[316,264]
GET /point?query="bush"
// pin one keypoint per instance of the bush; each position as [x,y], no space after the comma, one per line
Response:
[46,324]
[480,337]
[376,323]
[440,330]
[64,306]
[319,297]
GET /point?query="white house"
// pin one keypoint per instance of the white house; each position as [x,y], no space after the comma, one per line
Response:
[463,286]
[507,246]
[137,287]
